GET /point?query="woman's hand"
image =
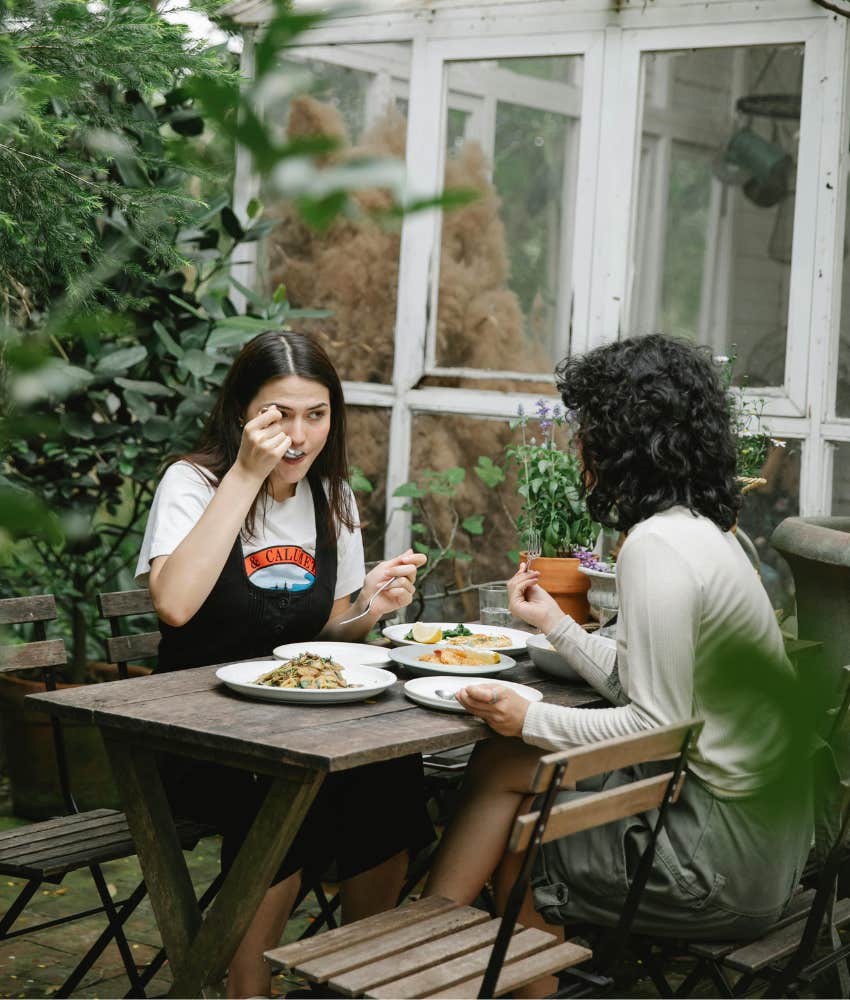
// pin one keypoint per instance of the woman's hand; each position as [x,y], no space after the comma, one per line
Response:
[263,445]
[529,601]
[502,709]
[399,593]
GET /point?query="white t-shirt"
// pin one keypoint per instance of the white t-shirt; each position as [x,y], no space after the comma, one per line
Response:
[282,552]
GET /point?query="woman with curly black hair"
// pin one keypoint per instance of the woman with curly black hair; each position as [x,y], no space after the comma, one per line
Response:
[655,436]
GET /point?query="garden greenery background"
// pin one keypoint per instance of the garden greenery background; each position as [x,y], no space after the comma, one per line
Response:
[118,313]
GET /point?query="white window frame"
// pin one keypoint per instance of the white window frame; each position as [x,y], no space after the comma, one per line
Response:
[612,41]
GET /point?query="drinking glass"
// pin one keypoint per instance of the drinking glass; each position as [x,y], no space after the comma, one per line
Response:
[493,605]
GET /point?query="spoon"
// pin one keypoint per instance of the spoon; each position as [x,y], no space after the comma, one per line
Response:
[445,694]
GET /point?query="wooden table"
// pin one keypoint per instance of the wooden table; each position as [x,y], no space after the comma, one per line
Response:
[190,713]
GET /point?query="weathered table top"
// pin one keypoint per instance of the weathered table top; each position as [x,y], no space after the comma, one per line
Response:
[190,711]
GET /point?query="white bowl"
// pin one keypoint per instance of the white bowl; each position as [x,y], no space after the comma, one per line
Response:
[544,656]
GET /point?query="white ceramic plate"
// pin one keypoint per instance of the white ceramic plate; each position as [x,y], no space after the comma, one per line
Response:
[240,677]
[396,633]
[421,690]
[408,656]
[347,653]
[546,658]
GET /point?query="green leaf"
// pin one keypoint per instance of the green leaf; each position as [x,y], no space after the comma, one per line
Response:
[489,474]
[158,429]
[139,406]
[78,426]
[256,300]
[197,362]
[171,345]
[421,547]
[189,308]
[23,514]
[409,490]
[145,388]
[358,481]
[120,360]
[455,475]
[255,208]
[474,524]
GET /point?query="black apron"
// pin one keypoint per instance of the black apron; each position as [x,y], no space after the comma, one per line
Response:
[360,818]
[240,621]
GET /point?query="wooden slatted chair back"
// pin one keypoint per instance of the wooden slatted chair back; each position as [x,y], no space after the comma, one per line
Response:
[550,821]
[664,743]
[40,654]
[121,647]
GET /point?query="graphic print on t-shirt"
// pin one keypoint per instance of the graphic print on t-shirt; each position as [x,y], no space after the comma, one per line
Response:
[281,567]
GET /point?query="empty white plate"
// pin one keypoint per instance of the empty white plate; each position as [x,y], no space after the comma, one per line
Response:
[347,653]
[408,656]
[241,677]
[423,690]
[397,633]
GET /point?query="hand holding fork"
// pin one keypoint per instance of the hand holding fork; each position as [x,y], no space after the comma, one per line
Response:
[533,546]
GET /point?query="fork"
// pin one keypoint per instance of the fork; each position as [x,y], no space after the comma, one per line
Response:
[533,546]
[384,585]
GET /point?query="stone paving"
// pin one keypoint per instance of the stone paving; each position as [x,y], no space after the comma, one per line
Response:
[35,966]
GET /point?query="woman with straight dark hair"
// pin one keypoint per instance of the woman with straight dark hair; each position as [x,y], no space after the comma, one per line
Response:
[696,636]
[253,541]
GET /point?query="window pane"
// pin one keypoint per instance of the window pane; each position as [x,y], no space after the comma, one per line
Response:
[841,480]
[442,442]
[368,450]
[512,134]
[355,94]
[714,212]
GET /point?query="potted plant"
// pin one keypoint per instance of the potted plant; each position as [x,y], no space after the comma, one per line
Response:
[549,475]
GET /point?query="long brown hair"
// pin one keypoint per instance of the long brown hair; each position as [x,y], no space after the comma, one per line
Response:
[270,355]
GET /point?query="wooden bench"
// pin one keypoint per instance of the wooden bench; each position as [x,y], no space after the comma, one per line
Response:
[436,948]
[47,851]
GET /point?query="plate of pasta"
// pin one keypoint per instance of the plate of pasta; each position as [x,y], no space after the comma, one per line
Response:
[460,660]
[307,677]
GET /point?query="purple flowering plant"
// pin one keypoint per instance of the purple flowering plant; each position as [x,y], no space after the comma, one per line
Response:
[549,482]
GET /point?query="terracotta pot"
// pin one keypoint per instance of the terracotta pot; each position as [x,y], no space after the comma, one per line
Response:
[560,577]
[30,757]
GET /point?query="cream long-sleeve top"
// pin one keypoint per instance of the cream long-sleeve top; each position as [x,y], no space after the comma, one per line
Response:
[685,588]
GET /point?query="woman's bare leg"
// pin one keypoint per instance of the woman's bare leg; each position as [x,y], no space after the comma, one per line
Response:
[249,974]
[497,779]
[373,891]
[503,880]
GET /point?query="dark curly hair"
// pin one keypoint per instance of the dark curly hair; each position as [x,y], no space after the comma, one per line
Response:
[655,429]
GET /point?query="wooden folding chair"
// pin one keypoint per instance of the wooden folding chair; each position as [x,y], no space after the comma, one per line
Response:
[48,851]
[123,646]
[436,948]
[783,959]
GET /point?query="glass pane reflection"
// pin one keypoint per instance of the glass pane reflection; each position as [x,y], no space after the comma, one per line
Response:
[714,212]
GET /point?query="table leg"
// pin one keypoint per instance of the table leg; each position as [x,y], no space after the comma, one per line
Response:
[161,858]
[225,922]
[199,951]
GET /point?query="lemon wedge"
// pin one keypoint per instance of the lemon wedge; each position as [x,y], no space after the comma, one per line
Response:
[425,633]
